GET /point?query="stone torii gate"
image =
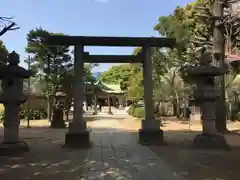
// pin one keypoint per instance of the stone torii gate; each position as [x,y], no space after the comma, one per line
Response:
[78,135]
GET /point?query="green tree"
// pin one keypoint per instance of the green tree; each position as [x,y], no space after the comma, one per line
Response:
[119,74]
[193,27]
[135,90]
[48,60]
[180,25]
[135,85]
[3,53]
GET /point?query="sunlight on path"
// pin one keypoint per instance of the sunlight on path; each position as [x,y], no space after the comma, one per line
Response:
[106,123]
[117,155]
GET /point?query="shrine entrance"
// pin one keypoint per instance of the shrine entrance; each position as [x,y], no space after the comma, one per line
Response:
[78,135]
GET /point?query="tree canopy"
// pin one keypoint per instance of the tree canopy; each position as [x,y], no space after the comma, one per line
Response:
[191,25]
[3,52]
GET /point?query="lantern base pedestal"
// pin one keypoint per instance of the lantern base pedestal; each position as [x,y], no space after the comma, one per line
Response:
[13,148]
[94,113]
[110,112]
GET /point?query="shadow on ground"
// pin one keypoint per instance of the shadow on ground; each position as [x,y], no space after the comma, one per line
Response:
[116,153]
[196,164]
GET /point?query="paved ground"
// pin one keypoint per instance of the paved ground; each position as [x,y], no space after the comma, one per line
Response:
[191,163]
[117,155]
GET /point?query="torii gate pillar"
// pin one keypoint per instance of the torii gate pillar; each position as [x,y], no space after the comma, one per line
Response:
[150,133]
[78,135]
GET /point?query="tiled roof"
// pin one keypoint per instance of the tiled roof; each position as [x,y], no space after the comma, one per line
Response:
[109,88]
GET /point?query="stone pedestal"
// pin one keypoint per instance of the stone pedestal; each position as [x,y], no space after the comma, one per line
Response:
[57,121]
[11,144]
[210,141]
[77,140]
[209,138]
[150,133]
[78,136]
[13,148]
[110,112]
[94,113]
[151,137]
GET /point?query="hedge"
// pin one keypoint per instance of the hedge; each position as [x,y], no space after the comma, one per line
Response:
[1,115]
[35,113]
[138,112]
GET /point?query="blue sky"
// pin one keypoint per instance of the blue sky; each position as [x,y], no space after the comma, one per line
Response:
[85,17]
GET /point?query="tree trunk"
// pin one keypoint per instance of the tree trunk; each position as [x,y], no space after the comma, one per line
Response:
[162,108]
[49,103]
[157,108]
[50,107]
[219,56]
[68,107]
[178,106]
[174,103]
[67,115]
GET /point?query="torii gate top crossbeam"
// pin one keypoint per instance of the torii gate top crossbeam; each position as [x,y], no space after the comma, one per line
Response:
[110,41]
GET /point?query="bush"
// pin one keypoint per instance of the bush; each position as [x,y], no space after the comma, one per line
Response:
[35,112]
[135,111]
[139,112]
[2,116]
[131,109]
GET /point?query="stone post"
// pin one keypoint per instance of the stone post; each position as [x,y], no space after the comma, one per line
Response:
[95,103]
[109,105]
[78,136]
[121,101]
[11,123]
[57,119]
[208,118]
[12,97]
[150,133]
[85,105]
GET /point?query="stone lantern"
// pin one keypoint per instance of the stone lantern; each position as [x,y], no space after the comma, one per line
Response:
[12,97]
[206,94]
